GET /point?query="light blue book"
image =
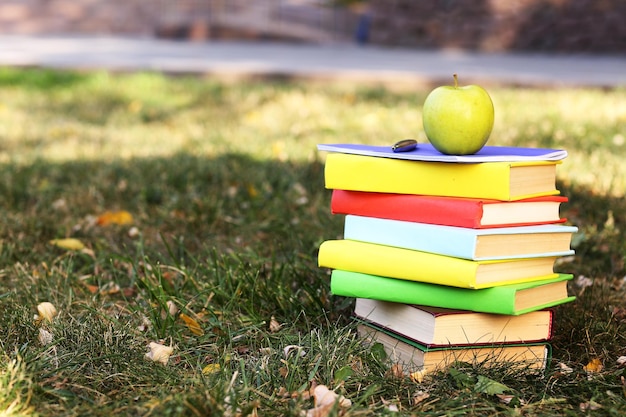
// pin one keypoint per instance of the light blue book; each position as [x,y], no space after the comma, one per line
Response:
[460,242]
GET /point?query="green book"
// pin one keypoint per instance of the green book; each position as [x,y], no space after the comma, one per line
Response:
[513,299]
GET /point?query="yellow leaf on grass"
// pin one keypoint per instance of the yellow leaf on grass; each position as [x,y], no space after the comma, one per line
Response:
[47,311]
[252,192]
[211,368]
[68,243]
[594,365]
[418,376]
[192,324]
[120,217]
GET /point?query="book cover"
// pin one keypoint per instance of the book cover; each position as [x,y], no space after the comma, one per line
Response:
[514,299]
[461,242]
[449,211]
[416,356]
[426,152]
[494,180]
[433,326]
[407,264]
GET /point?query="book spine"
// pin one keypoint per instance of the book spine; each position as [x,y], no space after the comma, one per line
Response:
[551,322]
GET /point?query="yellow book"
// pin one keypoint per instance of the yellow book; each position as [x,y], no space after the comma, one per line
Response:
[506,181]
[412,265]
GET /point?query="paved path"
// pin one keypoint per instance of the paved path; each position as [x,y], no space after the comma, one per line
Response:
[339,61]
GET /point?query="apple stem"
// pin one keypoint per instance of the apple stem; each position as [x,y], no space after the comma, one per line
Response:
[456,80]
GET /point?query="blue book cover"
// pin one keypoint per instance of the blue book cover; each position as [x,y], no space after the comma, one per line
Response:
[461,242]
[426,152]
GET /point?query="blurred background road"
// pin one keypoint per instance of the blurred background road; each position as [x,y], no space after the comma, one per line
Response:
[542,43]
[334,62]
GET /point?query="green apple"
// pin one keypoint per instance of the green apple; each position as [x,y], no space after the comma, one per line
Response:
[458,120]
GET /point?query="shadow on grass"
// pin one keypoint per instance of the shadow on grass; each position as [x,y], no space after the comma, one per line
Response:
[183,194]
[230,218]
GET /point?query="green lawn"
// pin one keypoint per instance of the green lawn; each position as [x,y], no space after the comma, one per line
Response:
[225,189]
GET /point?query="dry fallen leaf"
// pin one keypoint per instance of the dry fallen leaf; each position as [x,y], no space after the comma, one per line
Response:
[396,371]
[45,337]
[192,324]
[594,365]
[266,351]
[324,401]
[619,313]
[172,308]
[282,392]
[564,368]
[621,361]
[211,368]
[289,348]
[68,244]
[508,398]
[110,288]
[47,311]
[418,376]
[120,217]
[159,353]
[322,395]
[420,396]
[252,192]
[583,282]
[274,325]
[145,324]
[590,406]
[393,408]
[59,204]
[93,289]
[390,406]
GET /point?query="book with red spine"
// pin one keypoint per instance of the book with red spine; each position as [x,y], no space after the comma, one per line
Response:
[449,211]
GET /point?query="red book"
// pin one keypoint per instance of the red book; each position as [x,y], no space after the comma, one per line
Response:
[449,211]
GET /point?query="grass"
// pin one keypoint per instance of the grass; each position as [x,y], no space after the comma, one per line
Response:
[226,193]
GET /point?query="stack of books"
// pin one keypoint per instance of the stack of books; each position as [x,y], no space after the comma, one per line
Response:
[450,258]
